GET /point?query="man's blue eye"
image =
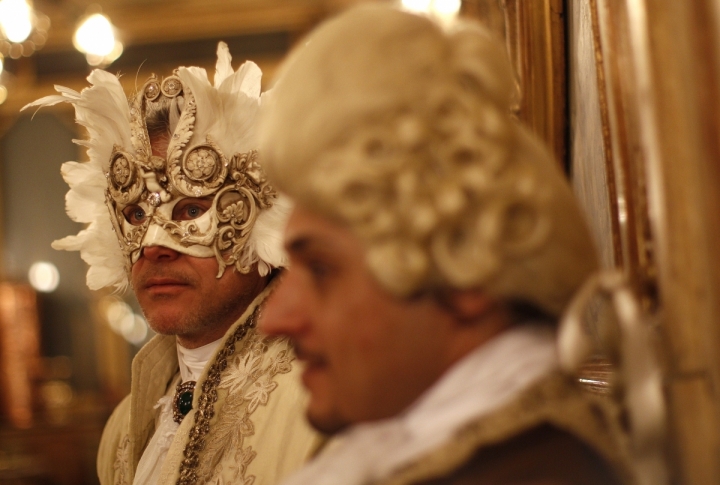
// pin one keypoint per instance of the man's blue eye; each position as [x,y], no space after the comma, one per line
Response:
[194,211]
[191,208]
[134,214]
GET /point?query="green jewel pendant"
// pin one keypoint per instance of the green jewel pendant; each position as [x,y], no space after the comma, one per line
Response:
[182,402]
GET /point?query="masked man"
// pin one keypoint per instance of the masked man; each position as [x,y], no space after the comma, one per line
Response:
[173,177]
[433,244]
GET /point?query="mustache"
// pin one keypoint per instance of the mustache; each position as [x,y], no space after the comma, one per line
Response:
[307,356]
[172,274]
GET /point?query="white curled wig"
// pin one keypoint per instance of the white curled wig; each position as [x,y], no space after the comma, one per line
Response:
[408,138]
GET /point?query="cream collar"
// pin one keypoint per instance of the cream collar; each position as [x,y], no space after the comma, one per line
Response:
[192,362]
[485,380]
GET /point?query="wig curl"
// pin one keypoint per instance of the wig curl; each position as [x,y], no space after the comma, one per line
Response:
[408,138]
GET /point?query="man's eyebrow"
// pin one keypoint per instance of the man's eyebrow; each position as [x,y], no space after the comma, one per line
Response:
[303,244]
[298,244]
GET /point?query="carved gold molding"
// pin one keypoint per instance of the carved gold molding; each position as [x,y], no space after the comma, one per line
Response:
[625,161]
[535,36]
[660,60]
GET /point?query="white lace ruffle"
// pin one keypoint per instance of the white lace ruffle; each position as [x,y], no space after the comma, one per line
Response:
[148,470]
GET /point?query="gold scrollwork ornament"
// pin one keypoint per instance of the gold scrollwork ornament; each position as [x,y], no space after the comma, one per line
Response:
[125,186]
[171,86]
[152,89]
[201,172]
[247,172]
[131,241]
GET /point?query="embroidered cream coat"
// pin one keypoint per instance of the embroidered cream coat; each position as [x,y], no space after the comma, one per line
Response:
[247,425]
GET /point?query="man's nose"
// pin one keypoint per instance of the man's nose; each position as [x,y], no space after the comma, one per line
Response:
[285,312]
[159,253]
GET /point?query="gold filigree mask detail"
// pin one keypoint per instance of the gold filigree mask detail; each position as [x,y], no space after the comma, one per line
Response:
[154,184]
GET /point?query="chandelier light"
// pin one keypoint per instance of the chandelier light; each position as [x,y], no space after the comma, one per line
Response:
[16,20]
[445,10]
[23,30]
[44,276]
[95,37]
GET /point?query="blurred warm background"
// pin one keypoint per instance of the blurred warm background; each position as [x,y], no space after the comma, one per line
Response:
[625,92]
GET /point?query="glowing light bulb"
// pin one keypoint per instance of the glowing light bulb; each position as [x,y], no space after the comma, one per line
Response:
[44,276]
[417,5]
[95,36]
[16,18]
[446,8]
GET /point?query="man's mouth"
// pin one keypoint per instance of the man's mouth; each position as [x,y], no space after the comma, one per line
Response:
[163,281]
[313,363]
[164,285]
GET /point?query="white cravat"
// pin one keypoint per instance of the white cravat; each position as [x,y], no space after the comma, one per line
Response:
[480,383]
[192,362]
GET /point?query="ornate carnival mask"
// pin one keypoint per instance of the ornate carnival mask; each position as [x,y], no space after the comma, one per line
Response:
[151,198]
[191,182]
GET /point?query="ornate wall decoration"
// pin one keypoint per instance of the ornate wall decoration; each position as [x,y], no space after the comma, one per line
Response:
[535,36]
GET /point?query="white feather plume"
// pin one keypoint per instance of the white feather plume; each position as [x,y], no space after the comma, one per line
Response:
[229,114]
[223,66]
[103,110]
[266,238]
[246,80]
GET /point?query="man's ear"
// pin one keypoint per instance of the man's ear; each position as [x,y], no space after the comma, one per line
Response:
[467,305]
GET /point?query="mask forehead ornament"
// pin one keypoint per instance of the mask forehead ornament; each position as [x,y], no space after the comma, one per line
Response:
[179,137]
[236,183]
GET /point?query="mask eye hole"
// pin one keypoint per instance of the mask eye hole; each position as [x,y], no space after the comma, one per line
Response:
[134,214]
[191,208]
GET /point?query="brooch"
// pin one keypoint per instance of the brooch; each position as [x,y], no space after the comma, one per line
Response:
[182,402]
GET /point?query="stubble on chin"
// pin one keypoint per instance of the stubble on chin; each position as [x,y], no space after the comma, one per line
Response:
[192,322]
[212,314]
[329,424]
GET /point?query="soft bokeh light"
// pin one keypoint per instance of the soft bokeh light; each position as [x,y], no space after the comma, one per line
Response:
[44,276]
[2,63]
[3,94]
[417,5]
[117,313]
[16,20]
[95,60]
[447,7]
[95,36]
[138,331]
[123,321]
[444,9]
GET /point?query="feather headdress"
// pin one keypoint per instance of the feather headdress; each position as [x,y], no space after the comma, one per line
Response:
[219,119]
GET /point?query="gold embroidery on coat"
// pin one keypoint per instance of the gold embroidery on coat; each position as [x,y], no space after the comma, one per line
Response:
[247,380]
[122,461]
